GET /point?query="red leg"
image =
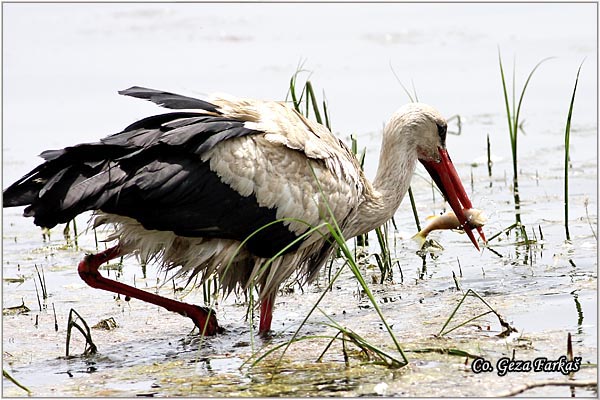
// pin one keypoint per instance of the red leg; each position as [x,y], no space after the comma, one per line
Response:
[266,313]
[204,319]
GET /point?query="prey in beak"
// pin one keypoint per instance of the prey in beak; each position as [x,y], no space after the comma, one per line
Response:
[444,175]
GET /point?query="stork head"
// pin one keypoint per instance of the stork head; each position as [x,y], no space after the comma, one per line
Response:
[429,139]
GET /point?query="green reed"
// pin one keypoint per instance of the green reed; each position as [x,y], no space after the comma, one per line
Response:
[512,116]
[470,292]
[567,145]
[6,375]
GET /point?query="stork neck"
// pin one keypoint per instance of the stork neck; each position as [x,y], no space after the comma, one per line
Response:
[397,163]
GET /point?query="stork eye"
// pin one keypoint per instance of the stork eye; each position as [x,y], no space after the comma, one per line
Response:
[442,133]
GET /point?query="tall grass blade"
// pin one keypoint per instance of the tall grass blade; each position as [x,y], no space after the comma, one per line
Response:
[411,98]
[326,113]
[513,140]
[75,234]
[385,260]
[505,230]
[506,102]
[507,327]
[6,375]
[513,124]
[414,208]
[361,240]
[288,343]
[313,100]
[567,145]
[320,358]
[489,158]
[366,347]
[523,92]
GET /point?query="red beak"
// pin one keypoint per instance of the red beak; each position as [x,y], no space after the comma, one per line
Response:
[445,177]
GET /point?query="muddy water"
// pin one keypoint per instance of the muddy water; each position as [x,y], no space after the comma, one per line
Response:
[68,70]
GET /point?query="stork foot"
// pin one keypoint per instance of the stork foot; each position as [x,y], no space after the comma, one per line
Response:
[203,318]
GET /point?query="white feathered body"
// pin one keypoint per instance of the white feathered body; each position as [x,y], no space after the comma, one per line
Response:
[295,166]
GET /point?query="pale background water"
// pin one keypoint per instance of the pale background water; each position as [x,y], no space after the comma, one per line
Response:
[64,63]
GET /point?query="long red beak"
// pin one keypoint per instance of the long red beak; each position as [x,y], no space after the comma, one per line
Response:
[445,177]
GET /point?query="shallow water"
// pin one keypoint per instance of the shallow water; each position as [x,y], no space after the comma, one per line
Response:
[69,68]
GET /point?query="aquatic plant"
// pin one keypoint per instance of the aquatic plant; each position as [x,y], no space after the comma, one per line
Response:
[470,292]
[6,375]
[513,126]
[489,159]
[361,240]
[309,100]
[567,142]
[74,317]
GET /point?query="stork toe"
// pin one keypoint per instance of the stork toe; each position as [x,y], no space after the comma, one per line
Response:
[205,319]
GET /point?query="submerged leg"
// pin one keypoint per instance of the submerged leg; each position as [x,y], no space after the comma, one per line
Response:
[266,313]
[204,318]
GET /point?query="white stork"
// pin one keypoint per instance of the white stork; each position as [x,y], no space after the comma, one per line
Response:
[186,188]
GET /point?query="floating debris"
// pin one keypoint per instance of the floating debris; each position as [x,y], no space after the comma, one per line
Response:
[14,280]
[16,310]
[107,324]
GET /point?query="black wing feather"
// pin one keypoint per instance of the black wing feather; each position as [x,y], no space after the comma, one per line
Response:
[169,100]
[152,172]
[177,192]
